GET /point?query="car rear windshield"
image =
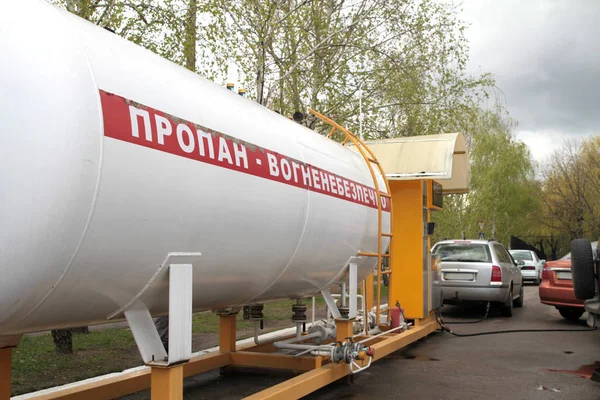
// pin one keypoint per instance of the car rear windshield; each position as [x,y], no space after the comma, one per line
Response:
[521,255]
[463,252]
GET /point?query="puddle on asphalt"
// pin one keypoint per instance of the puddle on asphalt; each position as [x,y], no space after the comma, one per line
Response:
[590,371]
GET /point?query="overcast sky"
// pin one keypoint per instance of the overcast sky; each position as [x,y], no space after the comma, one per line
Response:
[545,57]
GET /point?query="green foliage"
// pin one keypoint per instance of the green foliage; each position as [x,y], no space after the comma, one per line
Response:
[571,190]
[406,59]
[504,193]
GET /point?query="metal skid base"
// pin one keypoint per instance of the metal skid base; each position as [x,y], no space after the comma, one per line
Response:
[167,382]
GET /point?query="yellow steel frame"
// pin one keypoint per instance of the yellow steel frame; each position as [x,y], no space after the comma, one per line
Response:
[167,383]
[5,366]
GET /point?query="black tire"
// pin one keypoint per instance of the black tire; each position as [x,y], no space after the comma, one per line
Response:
[537,281]
[582,268]
[519,302]
[571,314]
[507,308]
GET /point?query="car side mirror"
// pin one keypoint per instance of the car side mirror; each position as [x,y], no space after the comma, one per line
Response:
[543,262]
[520,262]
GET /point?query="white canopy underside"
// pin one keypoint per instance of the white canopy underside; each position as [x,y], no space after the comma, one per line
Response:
[443,158]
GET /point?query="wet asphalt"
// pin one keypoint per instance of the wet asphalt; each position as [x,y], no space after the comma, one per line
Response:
[513,366]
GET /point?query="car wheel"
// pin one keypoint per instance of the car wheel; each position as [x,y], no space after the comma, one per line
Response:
[507,308]
[519,302]
[572,314]
[537,281]
[582,268]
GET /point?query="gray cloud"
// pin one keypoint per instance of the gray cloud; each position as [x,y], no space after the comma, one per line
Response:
[545,56]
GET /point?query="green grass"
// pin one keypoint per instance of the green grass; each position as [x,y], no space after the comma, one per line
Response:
[36,364]
[208,322]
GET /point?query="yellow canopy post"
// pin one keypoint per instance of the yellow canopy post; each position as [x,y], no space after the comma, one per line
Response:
[414,166]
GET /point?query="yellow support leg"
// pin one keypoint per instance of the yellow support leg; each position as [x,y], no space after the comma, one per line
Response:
[5,371]
[167,383]
[369,299]
[343,329]
[227,332]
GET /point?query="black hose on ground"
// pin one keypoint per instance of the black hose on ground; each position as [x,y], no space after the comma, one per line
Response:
[444,328]
[487,311]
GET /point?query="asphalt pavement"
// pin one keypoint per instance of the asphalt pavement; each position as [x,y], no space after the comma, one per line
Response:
[512,366]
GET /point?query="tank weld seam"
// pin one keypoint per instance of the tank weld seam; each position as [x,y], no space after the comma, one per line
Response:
[96,189]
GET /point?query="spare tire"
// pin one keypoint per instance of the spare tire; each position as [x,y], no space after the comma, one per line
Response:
[582,268]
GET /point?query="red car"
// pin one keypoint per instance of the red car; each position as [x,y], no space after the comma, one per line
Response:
[556,288]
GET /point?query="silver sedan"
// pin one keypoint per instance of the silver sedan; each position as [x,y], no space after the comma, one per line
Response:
[479,270]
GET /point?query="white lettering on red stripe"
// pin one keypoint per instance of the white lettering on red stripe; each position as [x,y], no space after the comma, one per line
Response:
[163,128]
[324,181]
[205,135]
[295,167]
[286,169]
[189,137]
[224,153]
[306,176]
[273,168]
[332,183]
[353,187]
[134,113]
[123,120]
[315,176]
[239,150]
[346,188]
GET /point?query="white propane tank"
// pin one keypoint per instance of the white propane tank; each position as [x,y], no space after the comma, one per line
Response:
[113,157]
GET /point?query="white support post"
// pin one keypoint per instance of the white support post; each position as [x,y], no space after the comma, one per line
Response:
[180,319]
[331,304]
[353,289]
[180,313]
[146,336]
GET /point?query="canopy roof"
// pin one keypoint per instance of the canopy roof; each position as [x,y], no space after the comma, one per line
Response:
[443,158]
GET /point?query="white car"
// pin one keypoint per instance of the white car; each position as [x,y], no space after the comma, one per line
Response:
[530,265]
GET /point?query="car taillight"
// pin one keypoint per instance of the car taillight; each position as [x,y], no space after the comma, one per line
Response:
[496,274]
[545,273]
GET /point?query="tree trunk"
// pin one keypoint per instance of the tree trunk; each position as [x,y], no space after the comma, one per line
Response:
[63,340]
[191,30]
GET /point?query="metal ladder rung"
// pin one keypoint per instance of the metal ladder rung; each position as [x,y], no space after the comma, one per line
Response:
[370,254]
[387,234]
[373,161]
[388,272]
[389,196]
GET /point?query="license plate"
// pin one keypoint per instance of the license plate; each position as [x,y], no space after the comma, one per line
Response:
[564,275]
[459,276]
